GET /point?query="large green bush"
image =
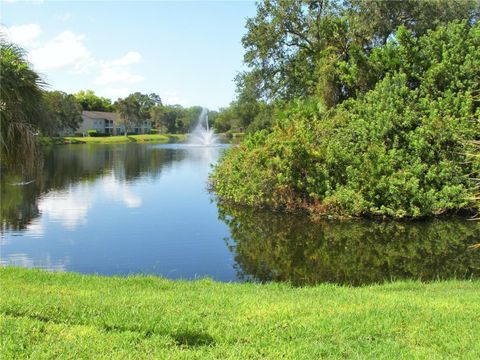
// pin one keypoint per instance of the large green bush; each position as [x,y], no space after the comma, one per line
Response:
[400,150]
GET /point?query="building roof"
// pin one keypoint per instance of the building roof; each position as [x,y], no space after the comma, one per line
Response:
[100,115]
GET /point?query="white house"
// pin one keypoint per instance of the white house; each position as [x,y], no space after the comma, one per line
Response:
[107,123]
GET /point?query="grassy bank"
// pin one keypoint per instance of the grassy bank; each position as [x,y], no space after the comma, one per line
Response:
[114,139]
[45,315]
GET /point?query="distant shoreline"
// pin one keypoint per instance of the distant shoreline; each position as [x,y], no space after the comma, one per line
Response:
[112,139]
[161,138]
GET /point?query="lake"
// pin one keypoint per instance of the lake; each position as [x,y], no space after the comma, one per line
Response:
[145,209]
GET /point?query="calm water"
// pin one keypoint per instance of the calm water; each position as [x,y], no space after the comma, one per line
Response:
[134,208]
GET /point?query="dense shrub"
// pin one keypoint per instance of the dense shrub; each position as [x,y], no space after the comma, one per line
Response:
[400,150]
[95,133]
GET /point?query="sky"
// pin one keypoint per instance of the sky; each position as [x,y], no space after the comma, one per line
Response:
[187,52]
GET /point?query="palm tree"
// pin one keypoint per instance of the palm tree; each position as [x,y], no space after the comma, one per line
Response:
[21,107]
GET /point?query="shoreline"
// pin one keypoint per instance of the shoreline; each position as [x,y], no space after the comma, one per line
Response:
[120,139]
[67,140]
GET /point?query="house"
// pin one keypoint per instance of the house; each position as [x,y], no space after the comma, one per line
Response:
[107,123]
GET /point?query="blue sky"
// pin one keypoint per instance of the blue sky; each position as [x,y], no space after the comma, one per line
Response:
[187,52]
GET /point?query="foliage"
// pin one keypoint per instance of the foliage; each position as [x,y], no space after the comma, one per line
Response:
[243,116]
[476,161]
[398,151]
[175,119]
[302,48]
[322,48]
[130,112]
[89,101]
[63,112]
[67,315]
[147,102]
[21,106]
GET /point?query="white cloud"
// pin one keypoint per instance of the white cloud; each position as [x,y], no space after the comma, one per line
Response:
[65,51]
[116,71]
[110,75]
[131,57]
[23,35]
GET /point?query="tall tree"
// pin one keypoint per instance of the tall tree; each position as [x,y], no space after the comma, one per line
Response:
[377,20]
[130,113]
[147,102]
[300,48]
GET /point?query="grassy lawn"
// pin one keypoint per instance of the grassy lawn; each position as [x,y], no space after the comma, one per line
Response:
[53,315]
[129,138]
[116,139]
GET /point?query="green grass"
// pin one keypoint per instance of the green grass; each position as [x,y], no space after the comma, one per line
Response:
[54,315]
[120,139]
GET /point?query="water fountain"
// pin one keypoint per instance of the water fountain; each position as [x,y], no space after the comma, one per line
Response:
[202,135]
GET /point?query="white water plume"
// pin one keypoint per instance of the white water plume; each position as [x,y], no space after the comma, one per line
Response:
[202,135]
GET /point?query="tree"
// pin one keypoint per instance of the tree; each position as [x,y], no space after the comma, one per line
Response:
[147,102]
[187,118]
[302,48]
[399,150]
[130,112]
[174,118]
[63,112]
[91,102]
[21,107]
[156,116]
[376,21]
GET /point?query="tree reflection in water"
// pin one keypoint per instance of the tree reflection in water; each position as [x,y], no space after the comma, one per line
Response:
[74,164]
[276,247]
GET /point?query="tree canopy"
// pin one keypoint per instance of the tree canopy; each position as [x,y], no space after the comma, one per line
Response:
[130,112]
[91,102]
[305,48]
[63,112]
[175,118]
